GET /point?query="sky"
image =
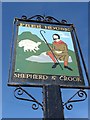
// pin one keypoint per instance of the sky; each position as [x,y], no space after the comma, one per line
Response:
[65,36]
[45,0]
[0,63]
[76,13]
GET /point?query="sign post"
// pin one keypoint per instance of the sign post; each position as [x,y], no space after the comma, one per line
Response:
[52,102]
[46,53]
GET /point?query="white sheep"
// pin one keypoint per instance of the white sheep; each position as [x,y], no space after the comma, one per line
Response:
[29,45]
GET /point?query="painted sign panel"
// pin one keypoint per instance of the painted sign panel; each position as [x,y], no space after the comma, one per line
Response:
[45,55]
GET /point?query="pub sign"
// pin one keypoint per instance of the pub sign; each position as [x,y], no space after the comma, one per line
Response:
[45,54]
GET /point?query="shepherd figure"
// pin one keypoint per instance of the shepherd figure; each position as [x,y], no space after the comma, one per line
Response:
[60,50]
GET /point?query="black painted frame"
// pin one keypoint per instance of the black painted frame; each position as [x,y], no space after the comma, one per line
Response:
[15,82]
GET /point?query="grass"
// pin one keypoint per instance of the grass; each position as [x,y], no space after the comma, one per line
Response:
[24,66]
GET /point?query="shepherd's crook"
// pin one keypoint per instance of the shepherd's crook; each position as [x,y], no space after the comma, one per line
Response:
[50,48]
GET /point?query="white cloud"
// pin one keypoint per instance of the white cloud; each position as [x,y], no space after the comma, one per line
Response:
[64,35]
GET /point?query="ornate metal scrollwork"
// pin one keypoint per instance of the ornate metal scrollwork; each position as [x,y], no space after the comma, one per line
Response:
[81,93]
[24,17]
[37,18]
[64,21]
[44,18]
[20,91]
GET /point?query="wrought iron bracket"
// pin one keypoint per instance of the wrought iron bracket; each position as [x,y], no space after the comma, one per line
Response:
[81,93]
[19,91]
[41,18]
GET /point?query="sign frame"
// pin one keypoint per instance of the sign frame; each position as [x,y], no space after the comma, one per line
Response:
[12,82]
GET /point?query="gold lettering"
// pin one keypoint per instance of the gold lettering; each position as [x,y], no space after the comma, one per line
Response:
[27,25]
[53,78]
[45,27]
[35,76]
[55,28]
[69,78]
[65,29]
[50,27]
[45,77]
[78,79]
[68,29]
[40,77]
[65,77]
[20,76]
[61,28]
[38,26]
[20,24]
[15,75]
[61,77]
[28,75]
[32,26]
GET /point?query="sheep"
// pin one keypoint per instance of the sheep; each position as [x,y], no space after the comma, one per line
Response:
[29,45]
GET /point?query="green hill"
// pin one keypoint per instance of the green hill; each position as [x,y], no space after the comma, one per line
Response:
[21,65]
[28,35]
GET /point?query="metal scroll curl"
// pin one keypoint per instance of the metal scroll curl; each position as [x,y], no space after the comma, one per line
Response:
[18,92]
[81,94]
[44,18]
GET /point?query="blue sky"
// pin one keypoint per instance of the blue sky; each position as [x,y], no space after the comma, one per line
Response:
[65,36]
[76,13]
[46,1]
[1,63]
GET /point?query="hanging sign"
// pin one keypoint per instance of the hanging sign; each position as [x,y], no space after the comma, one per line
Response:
[45,54]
